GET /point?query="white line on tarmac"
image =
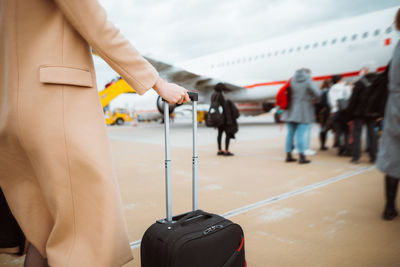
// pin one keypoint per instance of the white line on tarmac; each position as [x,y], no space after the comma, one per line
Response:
[286,195]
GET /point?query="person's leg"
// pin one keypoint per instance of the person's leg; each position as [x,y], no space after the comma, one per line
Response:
[357,140]
[33,258]
[338,131]
[322,139]
[300,132]
[219,140]
[289,141]
[300,137]
[227,139]
[289,137]
[372,137]
[307,136]
[391,184]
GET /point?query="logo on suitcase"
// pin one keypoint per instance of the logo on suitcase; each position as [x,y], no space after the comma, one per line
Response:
[212,229]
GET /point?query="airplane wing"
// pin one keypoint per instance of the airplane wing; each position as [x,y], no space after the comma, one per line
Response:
[191,81]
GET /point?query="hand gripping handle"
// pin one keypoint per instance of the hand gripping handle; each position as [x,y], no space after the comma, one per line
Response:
[194,98]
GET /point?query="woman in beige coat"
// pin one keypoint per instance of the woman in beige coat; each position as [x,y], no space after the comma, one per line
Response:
[54,151]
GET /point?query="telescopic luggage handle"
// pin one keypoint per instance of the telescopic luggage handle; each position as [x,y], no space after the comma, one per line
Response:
[194,98]
[192,95]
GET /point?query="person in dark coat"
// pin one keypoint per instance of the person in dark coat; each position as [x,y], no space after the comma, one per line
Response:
[323,111]
[300,112]
[229,125]
[376,102]
[355,112]
[389,150]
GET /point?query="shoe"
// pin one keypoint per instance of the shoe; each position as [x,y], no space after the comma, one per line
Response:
[389,214]
[310,152]
[372,160]
[289,158]
[303,159]
[295,151]
[323,148]
[355,161]
[228,154]
[220,153]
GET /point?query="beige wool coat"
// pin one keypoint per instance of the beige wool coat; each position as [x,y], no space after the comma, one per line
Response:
[55,165]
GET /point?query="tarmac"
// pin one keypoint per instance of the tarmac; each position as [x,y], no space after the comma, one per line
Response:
[327,213]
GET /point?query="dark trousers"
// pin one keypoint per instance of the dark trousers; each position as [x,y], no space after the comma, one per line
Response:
[10,234]
[219,138]
[341,130]
[371,136]
[391,184]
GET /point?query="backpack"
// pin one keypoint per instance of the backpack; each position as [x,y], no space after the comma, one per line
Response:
[375,103]
[283,97]
[215,116]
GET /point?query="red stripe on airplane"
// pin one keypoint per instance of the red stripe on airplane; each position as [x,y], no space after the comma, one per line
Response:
[381,69]
[264,84]
[318,78]
[388,41]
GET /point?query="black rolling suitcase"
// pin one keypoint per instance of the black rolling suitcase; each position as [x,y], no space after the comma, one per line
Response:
[196,238]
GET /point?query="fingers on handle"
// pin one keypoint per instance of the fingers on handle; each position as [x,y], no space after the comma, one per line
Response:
[187,98]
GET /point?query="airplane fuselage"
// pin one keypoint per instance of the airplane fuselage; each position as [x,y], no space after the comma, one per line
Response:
[339,47]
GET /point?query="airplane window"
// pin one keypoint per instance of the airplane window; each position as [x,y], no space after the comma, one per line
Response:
[388,30]
[262,56]
[324,43]
[315,45]
[354,37]
[276,53]
[290,50]
[250,58]
[256,57]
[299,48]
[269,54]
[283,51]
[306,47]
[365,35]
[344,39]
[238,61]
[377,32]
[334,41]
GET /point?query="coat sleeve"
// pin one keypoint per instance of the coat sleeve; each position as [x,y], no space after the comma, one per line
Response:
[313,89]
[331,99]
[353,100]
[89,18]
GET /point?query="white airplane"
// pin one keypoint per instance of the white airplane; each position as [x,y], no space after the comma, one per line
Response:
[254,73]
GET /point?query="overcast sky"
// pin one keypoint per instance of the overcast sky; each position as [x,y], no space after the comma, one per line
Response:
[179,30]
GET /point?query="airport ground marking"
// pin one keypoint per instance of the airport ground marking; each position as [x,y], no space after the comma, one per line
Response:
[286,195]
[296,192]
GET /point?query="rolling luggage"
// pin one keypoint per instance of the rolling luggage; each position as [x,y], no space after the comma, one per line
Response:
[196,238]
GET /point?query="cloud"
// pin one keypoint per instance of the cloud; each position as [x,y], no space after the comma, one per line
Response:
[179,30]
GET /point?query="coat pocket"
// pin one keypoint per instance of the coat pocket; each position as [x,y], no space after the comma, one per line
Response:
[65,75]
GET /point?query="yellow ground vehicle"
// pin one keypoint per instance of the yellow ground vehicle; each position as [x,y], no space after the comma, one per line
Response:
[118,117]
[112,90]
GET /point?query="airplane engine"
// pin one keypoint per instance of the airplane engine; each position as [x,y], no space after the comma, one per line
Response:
[160,106]
[268,106]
